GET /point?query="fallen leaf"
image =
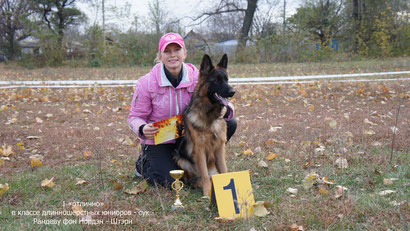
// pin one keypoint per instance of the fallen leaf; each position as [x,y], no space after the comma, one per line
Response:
[20,145]
[293,191]
[4,107]
[271,156]
[386,192]
[367,121]
[377,172]
[340,191]
[258,149]
[274,129]
[387,181]
[128,141]
[341,163]
[395,203]
[346,115]
[333,124]
[295,227]
[322,189]
[259,209]
[270,142]
[369,132]
[87,154]
[4,188]
[46,183]
[6,150]
[309,180]
[326,181]
[377,144]
[140,188]
[33,137]
[11,121]
[36,160]
[118,186]
[349,134]
[77,209]
[320,149]
[80,181]
[262,164]
[267,204]
[248,152]
[305,143]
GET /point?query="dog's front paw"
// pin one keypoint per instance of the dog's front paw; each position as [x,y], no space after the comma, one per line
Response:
[206,188]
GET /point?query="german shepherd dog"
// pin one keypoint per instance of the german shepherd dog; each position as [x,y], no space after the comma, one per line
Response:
[205,130]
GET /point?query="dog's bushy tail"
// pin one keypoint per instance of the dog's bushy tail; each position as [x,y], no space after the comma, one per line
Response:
[186,165]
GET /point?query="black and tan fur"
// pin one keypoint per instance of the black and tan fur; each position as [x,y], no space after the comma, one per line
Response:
[205,131]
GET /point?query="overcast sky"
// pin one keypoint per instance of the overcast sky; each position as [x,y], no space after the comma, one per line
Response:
[176,8]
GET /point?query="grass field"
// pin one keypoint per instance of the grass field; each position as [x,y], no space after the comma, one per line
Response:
[289,136]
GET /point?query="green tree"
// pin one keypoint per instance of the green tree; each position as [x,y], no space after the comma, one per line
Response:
[58,15]
[14,24]
[383,32]
[321,19]
[376,27]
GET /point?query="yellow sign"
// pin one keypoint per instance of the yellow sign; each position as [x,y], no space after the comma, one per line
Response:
[232,192]
[169,129]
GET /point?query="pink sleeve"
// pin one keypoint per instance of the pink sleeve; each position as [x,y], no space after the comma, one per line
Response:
[140,106]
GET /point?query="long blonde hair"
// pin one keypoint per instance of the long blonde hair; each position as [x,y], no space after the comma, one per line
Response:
[157,59]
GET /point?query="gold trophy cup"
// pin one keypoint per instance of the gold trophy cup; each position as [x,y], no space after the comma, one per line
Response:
[177,185]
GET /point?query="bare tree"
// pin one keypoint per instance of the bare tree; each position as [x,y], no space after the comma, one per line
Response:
[14,23]
[157,15]
[356,24]
[232,7]
[263,23]
[247,23]
[223,27]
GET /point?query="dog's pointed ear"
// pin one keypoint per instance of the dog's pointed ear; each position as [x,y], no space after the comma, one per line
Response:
[206,64]
[224,62]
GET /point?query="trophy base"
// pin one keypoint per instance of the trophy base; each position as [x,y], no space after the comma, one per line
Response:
[177,207]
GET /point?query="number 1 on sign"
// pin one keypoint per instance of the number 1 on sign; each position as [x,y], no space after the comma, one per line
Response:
[231,186]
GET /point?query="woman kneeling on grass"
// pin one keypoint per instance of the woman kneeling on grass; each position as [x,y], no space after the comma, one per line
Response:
[163,93]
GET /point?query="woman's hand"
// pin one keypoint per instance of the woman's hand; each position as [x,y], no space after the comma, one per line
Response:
[149,131]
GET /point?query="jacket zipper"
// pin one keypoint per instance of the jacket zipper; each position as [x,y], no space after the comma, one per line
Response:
[176,102]
[170,105]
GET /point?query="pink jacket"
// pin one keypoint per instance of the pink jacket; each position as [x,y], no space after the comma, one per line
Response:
[156,99]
